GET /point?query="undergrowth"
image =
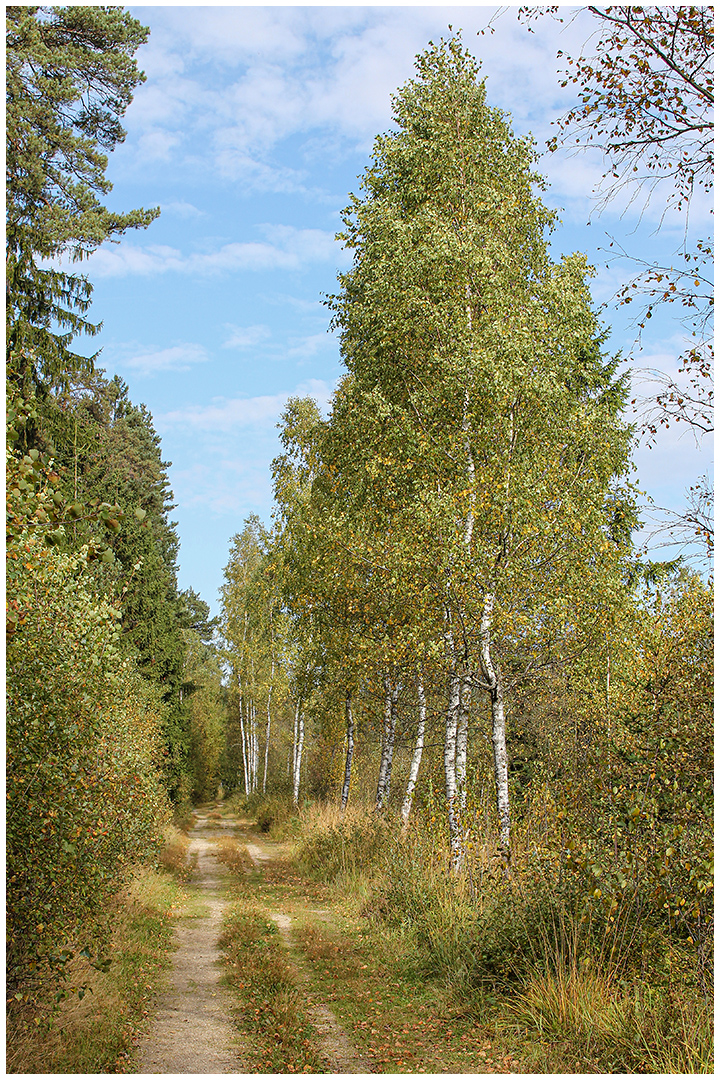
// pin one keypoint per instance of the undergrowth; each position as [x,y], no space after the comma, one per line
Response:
[527,953]
[95,1033]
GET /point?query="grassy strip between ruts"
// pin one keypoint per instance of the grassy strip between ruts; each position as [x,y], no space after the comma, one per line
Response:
[269,1011]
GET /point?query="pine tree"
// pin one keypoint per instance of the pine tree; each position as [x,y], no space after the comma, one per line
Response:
[70,77]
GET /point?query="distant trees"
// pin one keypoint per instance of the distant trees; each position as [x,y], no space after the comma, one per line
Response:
[254,631]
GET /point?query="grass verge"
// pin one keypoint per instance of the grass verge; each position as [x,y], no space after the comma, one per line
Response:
[96,1034]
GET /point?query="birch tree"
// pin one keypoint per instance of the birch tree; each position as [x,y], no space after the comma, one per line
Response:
[492,418]
[253,628]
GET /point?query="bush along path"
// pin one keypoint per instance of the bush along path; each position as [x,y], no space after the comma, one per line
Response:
[192,1031]
[318,989]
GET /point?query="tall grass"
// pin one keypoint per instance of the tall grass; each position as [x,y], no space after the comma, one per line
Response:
[584,992]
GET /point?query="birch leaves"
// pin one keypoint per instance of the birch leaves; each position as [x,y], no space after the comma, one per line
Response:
[470,459]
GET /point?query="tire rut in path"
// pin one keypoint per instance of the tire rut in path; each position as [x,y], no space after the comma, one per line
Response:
[336,1049]
[192,1031]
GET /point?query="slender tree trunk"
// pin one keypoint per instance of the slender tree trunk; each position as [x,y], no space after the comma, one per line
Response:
[244,748]
[499,741]
[416,757]
[462,739]
[450,762]
[300,722]
[350,724]
[255,747]
[267,729]
[388,744]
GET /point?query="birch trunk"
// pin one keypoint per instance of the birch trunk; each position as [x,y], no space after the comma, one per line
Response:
[244,749]
[267,729]
[300,721]
[450,762]
[252,746]
[416,757]
[350,723]
[499,741]
[388,743]
[462,738]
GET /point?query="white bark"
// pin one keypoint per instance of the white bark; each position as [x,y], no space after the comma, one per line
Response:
[416,757]
[499,741]
[267,729]
[350,724]
[300,726]
[450,748]
[252,745]
[388,742]
[462,738]
[450,762]
[244,748]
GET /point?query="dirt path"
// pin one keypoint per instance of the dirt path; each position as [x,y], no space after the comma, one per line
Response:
[342,1006]
[192,1031]
[338,1053]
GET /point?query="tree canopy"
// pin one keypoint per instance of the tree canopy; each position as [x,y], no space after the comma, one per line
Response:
[71,74]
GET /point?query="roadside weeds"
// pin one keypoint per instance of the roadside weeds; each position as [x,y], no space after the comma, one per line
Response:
[95,1034]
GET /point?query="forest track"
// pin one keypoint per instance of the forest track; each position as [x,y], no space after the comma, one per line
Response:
[192,1031]
[360,1015]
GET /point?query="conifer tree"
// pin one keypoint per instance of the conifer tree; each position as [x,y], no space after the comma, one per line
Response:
[71,74]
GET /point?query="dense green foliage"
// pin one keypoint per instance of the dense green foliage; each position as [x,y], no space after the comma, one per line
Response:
[85,797]
[104,653]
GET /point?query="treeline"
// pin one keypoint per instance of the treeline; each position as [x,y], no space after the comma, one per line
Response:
[448,620]
[112,679]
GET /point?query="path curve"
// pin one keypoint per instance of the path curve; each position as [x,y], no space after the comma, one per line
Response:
[192,1031]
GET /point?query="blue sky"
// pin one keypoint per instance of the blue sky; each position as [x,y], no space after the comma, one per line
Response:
[250,131]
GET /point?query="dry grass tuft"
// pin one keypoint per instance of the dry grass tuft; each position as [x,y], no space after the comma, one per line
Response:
[235,856]
[174,855]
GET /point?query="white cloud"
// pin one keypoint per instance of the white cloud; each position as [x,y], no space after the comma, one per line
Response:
[233,413]
[310,345]
[226,487]
[156,146]
[181,209]
[288,248]
[244,337]
[175,358]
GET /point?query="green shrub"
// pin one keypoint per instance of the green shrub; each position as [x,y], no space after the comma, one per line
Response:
[84,794]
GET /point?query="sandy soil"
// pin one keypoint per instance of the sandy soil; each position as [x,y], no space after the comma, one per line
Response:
[192,1031]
